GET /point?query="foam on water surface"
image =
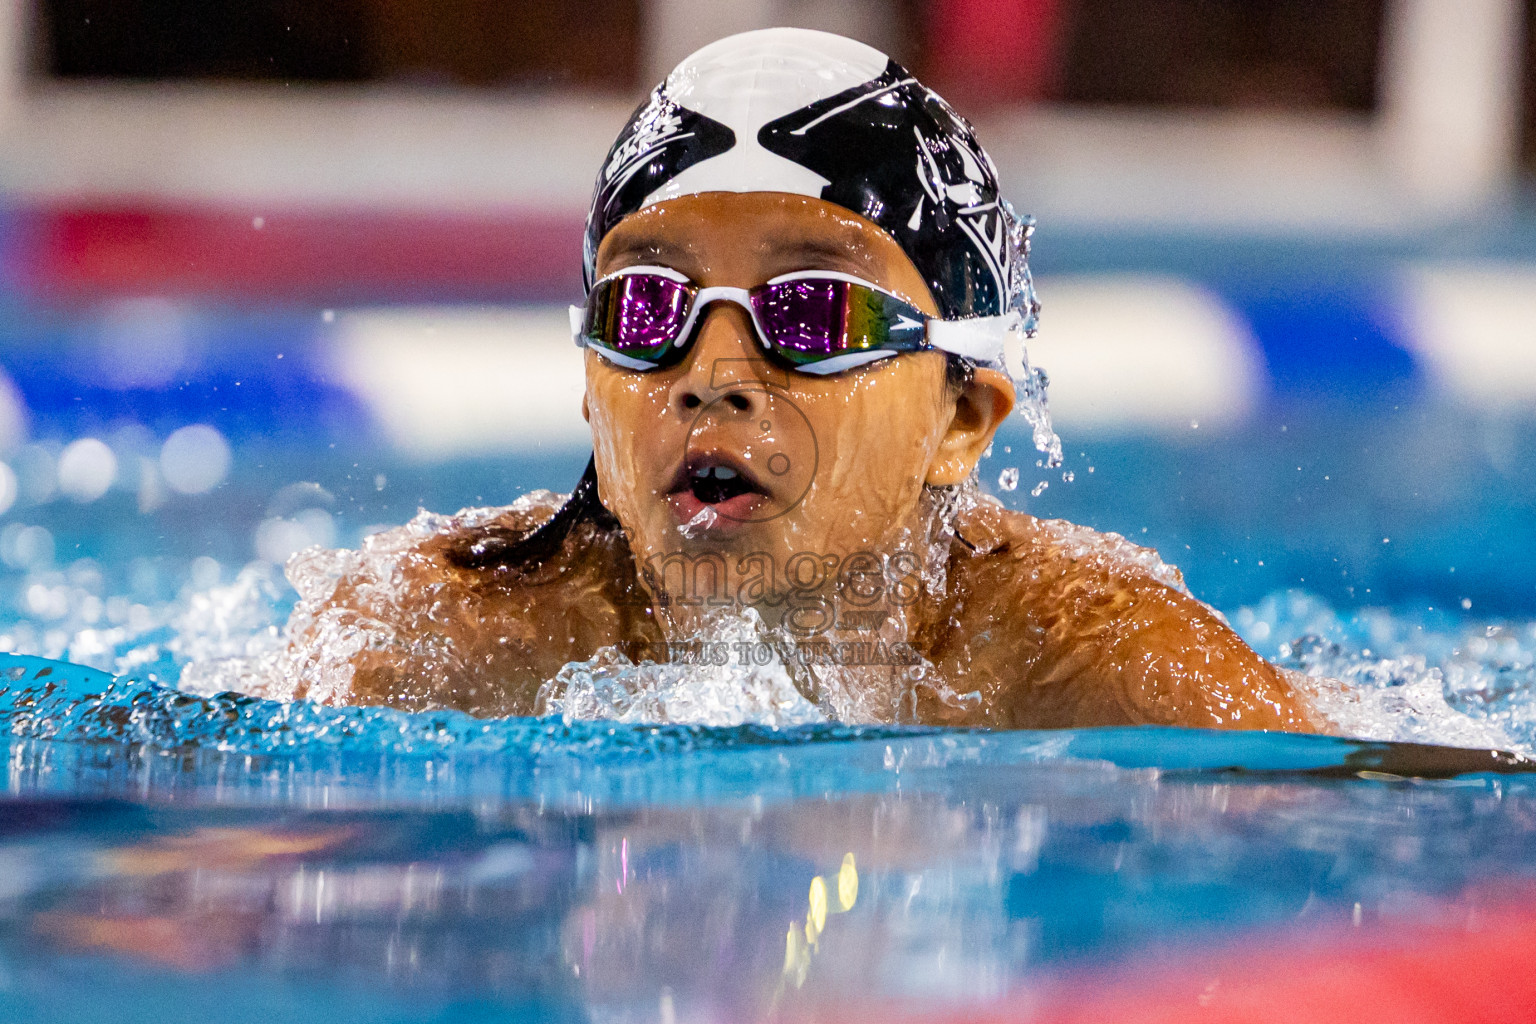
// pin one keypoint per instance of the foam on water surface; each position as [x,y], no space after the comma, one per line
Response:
[72,729]
[1436,676]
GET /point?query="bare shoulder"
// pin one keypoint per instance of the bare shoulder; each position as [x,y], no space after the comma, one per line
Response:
[426,615]
[1070,626]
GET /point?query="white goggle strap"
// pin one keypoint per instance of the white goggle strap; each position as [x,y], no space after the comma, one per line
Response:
[994,340]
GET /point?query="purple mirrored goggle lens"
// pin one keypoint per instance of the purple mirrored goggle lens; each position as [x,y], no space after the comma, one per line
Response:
[640,315]
[811,319]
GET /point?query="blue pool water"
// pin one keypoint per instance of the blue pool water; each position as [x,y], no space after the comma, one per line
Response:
[169,856]
[242,858]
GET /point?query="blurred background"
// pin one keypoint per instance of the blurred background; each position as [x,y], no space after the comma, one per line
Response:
[277,273]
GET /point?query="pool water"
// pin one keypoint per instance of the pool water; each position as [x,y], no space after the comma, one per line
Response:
[242,858]
[1388,548]
[185,854]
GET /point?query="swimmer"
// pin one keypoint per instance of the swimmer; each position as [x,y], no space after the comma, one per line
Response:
[805,297]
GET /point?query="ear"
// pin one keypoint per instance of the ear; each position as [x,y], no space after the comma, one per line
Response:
[983,404]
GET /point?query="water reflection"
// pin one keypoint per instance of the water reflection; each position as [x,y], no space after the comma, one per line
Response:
[746,910]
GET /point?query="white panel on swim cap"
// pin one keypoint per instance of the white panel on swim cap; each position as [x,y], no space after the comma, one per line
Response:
[747,80]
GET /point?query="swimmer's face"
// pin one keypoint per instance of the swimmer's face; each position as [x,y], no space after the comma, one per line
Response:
[778,461]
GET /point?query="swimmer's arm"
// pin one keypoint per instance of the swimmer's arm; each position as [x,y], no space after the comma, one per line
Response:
[419,652]
[341,650]
[1130,650]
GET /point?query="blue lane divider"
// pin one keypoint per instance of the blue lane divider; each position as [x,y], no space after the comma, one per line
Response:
[1337,339]
[259,374]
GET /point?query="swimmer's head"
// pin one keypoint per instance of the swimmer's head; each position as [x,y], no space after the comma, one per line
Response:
[787,153]
[814,114]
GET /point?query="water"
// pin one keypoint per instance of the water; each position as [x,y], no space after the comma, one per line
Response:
[182,854]
[343,863]
[1441,676]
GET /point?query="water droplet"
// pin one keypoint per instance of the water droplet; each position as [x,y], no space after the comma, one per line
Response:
[195,459]
[86,469]
[1008,479]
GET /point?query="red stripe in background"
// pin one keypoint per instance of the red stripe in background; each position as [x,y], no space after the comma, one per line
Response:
[314,256]
[1481,970]
[989,52]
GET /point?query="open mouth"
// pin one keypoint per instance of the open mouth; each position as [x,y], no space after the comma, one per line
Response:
[717,482]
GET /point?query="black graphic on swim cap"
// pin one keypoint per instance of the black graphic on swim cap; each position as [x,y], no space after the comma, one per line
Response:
[813,114]
[660,141]
[896,153]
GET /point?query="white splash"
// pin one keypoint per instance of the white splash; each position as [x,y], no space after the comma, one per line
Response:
[1085,543]
[719,685]
[1373,673]
[1377,674]
[701,523]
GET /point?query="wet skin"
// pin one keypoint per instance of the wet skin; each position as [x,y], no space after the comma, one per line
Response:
[1037,622]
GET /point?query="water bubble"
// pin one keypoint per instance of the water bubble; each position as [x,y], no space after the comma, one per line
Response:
[45,602]
[206,572]
[37,477]
[86,470]
[1039,489]
[131,442]
[278,539]
[86,574]
[293,498]
[1008,479]
[195,459]
[144,577]
[26,547]
[1068,476]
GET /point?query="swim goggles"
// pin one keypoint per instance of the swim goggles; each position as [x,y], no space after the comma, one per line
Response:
[814,321]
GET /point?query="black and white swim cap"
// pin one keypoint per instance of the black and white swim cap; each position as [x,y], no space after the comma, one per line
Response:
[815,114]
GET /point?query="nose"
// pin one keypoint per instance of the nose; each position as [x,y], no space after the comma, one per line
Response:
[725,368]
